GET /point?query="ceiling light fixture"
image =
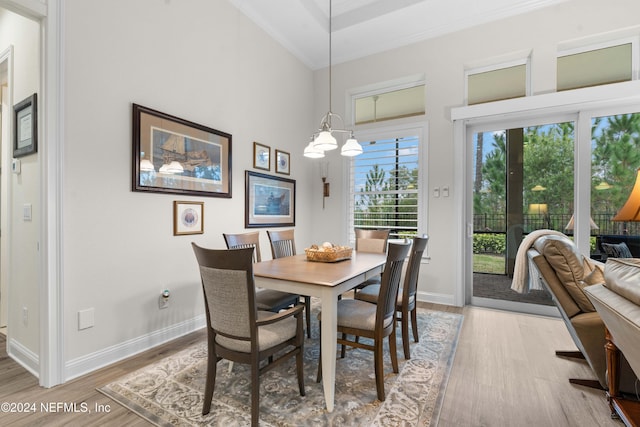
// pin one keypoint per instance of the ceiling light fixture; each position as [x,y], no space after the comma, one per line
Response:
[323,140]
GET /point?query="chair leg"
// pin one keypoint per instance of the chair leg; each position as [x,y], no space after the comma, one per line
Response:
[255,392]
[379,368]
[405,335]
[343,349]
[307,309]
[587,383]
[393,351]
[300,369]
[212,363]
[414,324]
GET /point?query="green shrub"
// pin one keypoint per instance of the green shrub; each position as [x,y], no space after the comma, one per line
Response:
[489,243]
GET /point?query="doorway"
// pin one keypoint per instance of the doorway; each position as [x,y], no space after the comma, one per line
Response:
[522,180]
[4,127]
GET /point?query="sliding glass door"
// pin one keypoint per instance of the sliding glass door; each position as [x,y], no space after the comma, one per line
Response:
[523,180]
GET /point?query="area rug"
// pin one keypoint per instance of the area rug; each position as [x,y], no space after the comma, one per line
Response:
[170,392]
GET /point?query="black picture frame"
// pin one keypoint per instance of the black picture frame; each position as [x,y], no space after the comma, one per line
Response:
[203,156]
[270,201]
[25,122]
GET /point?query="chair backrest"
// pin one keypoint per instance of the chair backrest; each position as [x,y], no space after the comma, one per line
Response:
[229,291]
[371,240]
[410,286]
[282,243]
[244,240]
[386,306]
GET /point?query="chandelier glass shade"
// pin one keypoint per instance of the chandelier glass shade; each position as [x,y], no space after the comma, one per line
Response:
[324,139]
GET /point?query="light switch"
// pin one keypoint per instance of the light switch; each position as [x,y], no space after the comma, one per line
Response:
[436,192]
[26,212]
[445,191]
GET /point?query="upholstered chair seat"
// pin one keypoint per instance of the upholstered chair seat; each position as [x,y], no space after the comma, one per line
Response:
[269,335]
[357,314]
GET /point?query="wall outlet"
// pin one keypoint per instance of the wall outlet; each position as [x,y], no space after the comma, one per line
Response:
[86,319]
[163,300]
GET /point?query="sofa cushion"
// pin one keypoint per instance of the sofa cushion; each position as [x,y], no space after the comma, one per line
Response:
[563,256]
[622,276]
[617,250]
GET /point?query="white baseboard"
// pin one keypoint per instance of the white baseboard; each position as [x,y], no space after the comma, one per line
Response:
[85,364]
[444,299]
[24,357]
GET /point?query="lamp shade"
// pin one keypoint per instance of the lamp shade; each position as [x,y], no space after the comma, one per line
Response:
[313,152]
[538,208]
[146,165]
[571,224]
[351,148]
[631,209]
[175,167]
[325,141]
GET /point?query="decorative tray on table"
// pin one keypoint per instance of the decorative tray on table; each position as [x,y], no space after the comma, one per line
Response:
[327,252]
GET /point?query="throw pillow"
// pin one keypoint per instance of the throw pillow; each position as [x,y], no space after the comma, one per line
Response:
[617,250]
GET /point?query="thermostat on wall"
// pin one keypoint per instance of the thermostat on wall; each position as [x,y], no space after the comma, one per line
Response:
[15,166]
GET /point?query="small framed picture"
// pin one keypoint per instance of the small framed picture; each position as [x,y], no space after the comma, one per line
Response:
[188,218]
[282,162]
[26,126]
[261,156]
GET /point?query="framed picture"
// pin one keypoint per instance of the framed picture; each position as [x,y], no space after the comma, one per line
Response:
[188,218]
[25,140]
[270,201]
[173,155]
[282,162]
[261,156]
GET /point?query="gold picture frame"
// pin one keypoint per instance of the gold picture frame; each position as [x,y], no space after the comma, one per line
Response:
[283,162]
[261,156]
[188,218]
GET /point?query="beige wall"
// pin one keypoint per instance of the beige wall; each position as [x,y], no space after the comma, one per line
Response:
[199,60]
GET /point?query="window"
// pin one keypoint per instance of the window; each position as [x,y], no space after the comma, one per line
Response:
[583,68]
[391,104]
[385,185]
[496,84]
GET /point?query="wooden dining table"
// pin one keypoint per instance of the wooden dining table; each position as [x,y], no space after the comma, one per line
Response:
[326,281]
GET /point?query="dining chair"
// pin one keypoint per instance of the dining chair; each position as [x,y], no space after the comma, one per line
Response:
[266,299]
[237,330]
[368,240]
[283,244]
[362,319]
[406,300]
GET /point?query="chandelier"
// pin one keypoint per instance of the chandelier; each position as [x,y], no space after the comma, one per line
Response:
[323,140]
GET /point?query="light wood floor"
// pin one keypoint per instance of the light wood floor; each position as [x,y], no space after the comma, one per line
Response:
[505,373]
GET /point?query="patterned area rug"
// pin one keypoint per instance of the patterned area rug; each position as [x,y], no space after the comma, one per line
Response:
[170,392]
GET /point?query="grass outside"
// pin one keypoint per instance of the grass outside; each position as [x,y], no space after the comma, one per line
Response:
[486,263]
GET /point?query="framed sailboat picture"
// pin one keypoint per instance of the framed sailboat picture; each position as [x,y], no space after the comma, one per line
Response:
[174,155]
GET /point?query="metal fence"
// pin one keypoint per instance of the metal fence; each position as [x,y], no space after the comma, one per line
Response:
[497,223]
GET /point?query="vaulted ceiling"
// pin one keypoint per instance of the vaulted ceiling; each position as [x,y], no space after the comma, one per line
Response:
[364,27]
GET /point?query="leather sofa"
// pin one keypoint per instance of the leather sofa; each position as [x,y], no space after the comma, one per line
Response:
[617,301]
[565,273]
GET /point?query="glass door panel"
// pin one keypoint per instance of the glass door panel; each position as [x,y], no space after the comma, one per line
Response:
[522,181]
[615,158]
